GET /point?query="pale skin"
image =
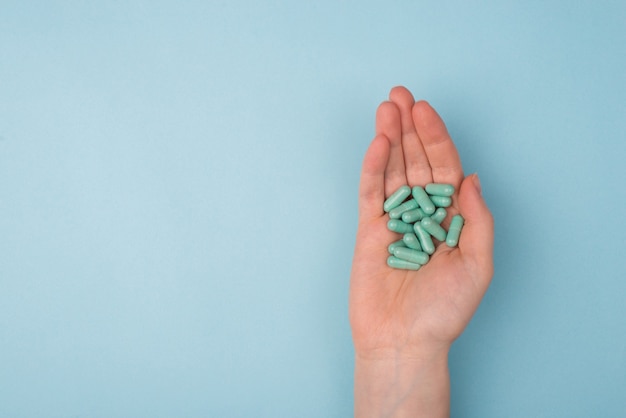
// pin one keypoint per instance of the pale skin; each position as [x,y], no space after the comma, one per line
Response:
[404,322]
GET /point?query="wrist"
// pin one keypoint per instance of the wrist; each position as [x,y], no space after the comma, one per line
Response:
[402,384]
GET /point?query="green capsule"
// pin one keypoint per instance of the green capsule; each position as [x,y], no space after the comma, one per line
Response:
[397,198]
[397,212]
[424,237]
[440,189]
[396,225]
[424,201]
[414,215]
[452,240]
[413,256]
[410,240]
[439,215]
[399,243]
[441,201]
[433,228]
[396,263]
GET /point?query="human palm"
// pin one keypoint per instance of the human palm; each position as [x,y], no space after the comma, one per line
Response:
[402,311]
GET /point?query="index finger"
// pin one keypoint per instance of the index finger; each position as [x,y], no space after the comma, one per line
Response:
[442,154]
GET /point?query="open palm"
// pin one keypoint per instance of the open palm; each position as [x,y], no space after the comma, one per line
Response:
[400,310]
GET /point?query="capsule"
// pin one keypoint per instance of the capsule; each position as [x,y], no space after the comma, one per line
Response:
[425,240]
[396,263]
[424,201]
[396,225]
[413,256]
[433,228]
[439,215]
[397,198]
[399,243]
[440,189]
[410,240]
[414,215]
[397,212]
[452,240]
[441,201]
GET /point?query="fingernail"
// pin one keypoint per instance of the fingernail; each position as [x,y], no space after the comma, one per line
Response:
[476,182]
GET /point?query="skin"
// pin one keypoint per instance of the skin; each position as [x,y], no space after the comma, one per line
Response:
[404,322]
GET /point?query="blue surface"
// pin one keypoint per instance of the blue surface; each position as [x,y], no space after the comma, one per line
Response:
[178,200]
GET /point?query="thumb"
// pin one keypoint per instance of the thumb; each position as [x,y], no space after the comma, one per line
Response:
[476,241]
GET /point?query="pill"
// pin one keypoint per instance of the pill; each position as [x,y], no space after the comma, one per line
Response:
[439,215]
[414,215]
[397,263]
[396,198]
[410,240]
[399,243]
[417,213]
[452,240]
[424,238]
[441,201]
[440,189]
[413,256]
[433,228]
[424,201]
[396,225]
[397,212]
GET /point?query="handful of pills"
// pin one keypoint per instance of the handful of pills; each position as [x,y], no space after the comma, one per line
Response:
[417,213]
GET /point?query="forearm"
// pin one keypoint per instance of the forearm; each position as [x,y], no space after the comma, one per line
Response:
[400,387]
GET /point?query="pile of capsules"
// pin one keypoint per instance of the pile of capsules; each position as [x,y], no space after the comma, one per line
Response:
[419,219]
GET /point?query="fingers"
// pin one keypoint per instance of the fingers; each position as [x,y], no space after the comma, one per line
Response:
[476,242]
[388,124]
[420,150]
[440,151]
[416,164]
[372,186]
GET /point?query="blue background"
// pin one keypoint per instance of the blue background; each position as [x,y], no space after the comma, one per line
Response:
[178,200]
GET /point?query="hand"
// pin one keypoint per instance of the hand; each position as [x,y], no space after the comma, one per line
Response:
[403,322]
